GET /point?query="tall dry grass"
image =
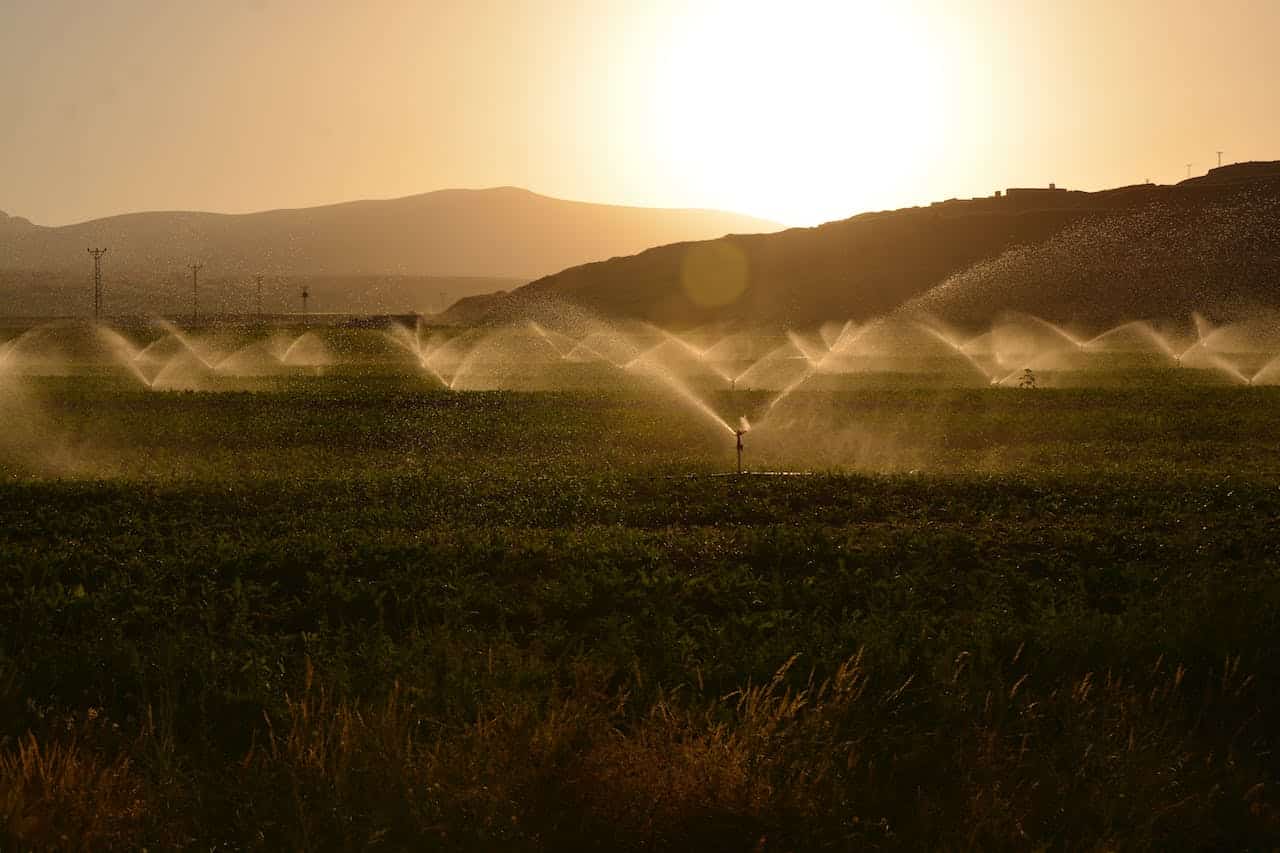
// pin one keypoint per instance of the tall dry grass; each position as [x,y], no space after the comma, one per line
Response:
[61,796]
[1151,760]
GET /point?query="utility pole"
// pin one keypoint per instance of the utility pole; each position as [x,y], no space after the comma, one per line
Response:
[305,295]
[1188,170]
[1219,159]
[258,280]
[97,281]
[195,291]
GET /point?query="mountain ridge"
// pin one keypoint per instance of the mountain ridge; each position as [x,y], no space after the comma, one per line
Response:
[505,234]
[1189,246]
[426,230]
[440,193]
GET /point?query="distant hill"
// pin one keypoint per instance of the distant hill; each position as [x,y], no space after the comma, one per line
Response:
[482,240]
[1236,173]
[1140,251]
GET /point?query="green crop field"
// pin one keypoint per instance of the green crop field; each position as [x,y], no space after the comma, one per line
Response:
[358,611]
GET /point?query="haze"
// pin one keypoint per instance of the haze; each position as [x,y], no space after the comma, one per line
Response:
[799,112]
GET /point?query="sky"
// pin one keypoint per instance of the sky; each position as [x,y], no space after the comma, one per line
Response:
[800,112]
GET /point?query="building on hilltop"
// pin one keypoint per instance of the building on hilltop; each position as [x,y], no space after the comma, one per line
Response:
[1020,198]
[1041,197]
[1027,193]
[990,202]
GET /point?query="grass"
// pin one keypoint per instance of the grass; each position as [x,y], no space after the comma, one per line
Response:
[354,612]
[58,794]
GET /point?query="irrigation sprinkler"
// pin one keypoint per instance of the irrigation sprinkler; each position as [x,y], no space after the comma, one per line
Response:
[744,427]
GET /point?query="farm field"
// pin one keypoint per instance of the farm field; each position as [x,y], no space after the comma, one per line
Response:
[607,427]
[356,609]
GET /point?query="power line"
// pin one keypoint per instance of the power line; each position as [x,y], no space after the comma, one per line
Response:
[195,291]
[97,281]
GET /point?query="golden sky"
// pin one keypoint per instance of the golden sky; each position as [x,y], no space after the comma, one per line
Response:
[799,111]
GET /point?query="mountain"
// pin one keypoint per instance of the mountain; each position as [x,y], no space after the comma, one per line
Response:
[1206,244]
[492,238]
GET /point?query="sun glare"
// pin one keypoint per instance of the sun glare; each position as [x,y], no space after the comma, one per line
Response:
[805,111]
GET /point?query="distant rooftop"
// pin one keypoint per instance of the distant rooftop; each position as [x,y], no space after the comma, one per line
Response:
[1050,196]
[1052,188]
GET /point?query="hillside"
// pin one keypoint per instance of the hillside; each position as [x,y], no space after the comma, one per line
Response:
[503,235]
[1146,250]
[1160,261]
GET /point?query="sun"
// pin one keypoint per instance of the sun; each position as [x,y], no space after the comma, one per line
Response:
[804,111]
